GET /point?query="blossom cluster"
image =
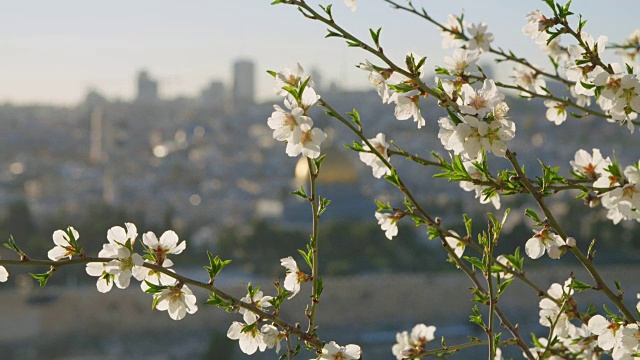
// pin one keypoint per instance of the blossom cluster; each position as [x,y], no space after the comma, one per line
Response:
[619,192]
[588,340]
[118,263]
[410,344]
[292,124]
[394,87]
[252,337]
[616,89]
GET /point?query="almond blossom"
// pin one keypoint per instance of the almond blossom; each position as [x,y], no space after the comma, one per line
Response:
[167,244]
[294,276]
[544,241]
[470,136]
[410,344]
[536,27]
[305,140]
[260,301]
[605,330]
[593,166]
[528,79]
[271,336]
[250,341]
[378,167]
[389,223]
[623,202]
[501,259]
[407,106]
[461,60]
[556,112]
[457,245]
[293,77]
[284,123]
[482,101]
[178,301]
[4,274]
[351,4]
[479,38]
[452,37]
[65,244]
[333,351]
[474,173]
[377,79]
[555,311]
[584,73]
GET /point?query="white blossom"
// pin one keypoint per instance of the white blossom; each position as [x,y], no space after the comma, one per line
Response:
[461,60]
[528,79]
[482,101]
[551,311]
[64,244]
[592,166]
[469,137]
[284,123]
[377,165]
[407,106]
[307,100]
[351,4]
[623,202]
[293,276]
[305,140]
[377,80]
[293,77]
[543,241]
[333,351]
[250,341]
[605,330]
[177,301]
[556,111]
[260,301]
[4,274]
[479,38]
[167,244]
[125,265]
[473,171]
[105,280]
[536,27]
[271,336]
[501,259]
[452,38]
[389,223]
[457,245]
[410,344]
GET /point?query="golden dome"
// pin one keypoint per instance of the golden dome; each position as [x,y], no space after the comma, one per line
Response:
[337,168]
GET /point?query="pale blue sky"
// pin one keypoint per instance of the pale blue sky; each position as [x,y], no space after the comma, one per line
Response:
[53,51]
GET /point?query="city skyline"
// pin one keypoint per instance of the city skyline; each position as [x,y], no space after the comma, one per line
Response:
[57,53]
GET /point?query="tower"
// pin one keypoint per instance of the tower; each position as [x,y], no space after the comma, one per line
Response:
[147,88]
[243,84]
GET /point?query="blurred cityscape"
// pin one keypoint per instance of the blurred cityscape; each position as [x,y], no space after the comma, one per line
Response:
[209,168]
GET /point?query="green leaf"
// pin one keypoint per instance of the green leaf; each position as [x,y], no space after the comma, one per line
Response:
[332,34]
[579,286]
[324,202]
[42,278]
[533,216]
[355,147]
[300,192]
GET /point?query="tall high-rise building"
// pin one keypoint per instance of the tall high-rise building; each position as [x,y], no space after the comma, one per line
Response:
[147,88]
[243,84]
[213,95]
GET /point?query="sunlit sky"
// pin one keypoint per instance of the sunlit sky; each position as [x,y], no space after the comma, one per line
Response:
[53,51]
